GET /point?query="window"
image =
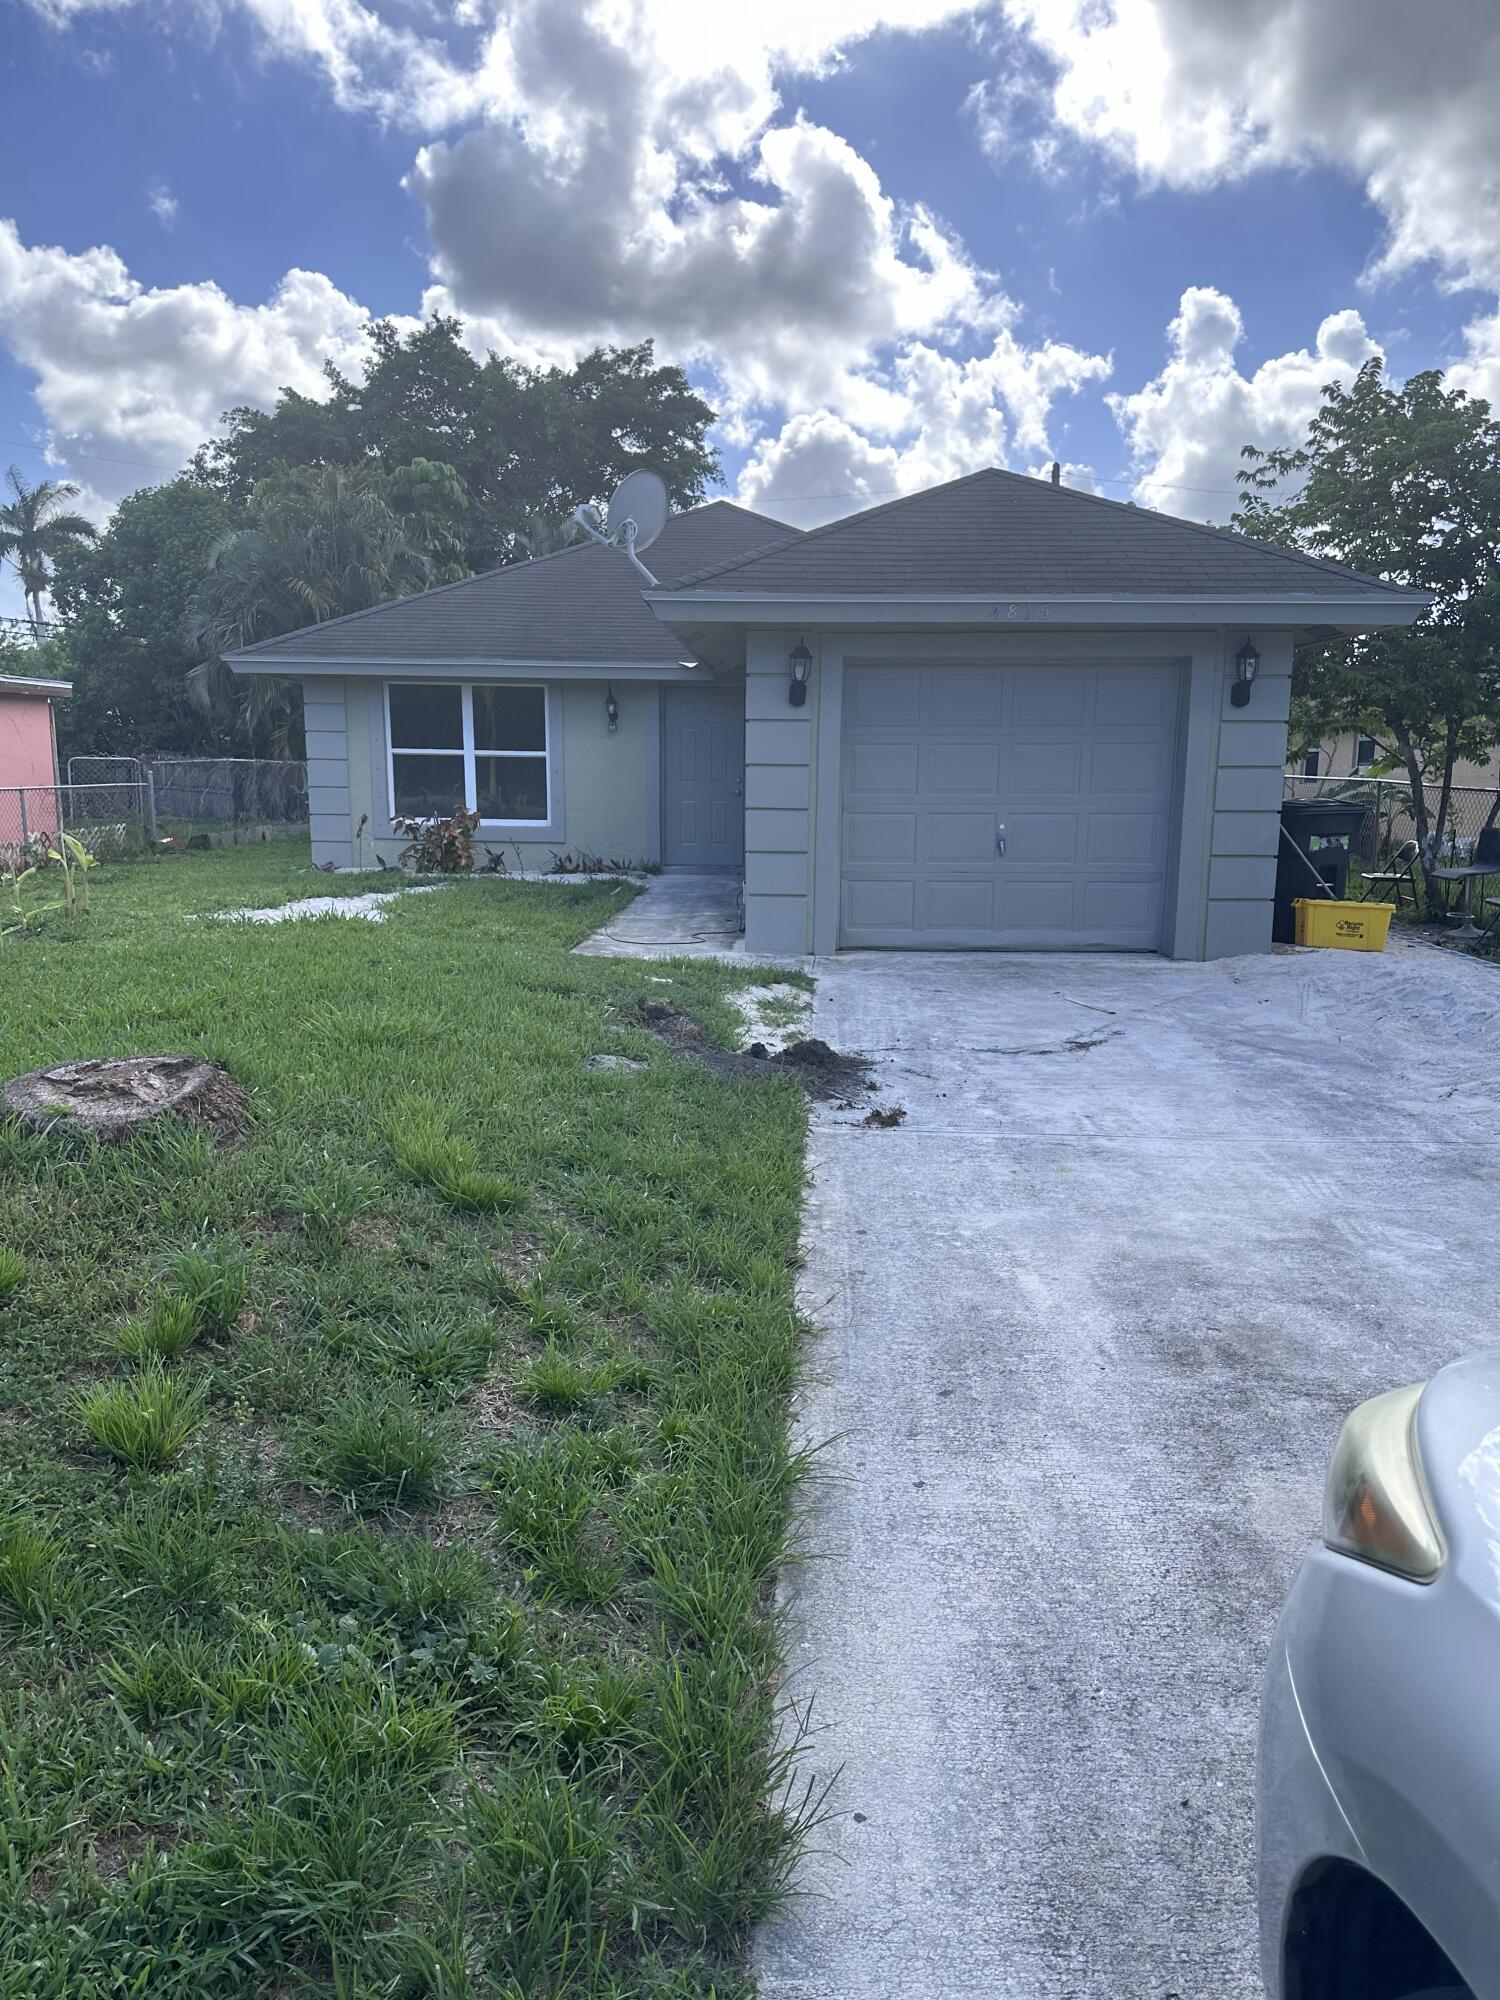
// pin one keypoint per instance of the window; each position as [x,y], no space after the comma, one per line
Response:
[1310,763]
[1366,752]
[483,746]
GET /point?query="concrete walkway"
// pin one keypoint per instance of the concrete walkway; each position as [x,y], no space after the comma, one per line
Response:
[679,916]
[1092,1317]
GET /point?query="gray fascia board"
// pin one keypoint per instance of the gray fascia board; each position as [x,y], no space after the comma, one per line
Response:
[19,684]
[1355,614]
[298,664]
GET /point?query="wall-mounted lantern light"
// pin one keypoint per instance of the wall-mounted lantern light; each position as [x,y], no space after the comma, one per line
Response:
[612,710]
[799,671]
[1246,667]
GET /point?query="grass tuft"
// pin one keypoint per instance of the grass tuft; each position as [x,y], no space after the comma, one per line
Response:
[142,1423]
[378,1449]
[12,1273]
[213,1282]
[167,1327]
[31,1586]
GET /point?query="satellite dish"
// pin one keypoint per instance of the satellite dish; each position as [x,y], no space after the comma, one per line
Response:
[641,498]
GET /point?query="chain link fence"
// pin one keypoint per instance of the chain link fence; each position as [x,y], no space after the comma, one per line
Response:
[109,819]
[223,800]
[1388,817]
[118,806]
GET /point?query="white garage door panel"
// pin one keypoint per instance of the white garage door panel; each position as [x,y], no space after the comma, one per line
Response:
[1076,763]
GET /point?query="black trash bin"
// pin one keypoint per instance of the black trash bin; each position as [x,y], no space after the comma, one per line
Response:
[1324,830]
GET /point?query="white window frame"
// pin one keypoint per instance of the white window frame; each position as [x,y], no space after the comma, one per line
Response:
[468,752]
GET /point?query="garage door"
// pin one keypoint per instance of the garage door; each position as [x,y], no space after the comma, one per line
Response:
[1021,807]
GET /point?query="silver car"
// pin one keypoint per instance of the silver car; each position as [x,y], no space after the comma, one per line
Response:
[1379,1788]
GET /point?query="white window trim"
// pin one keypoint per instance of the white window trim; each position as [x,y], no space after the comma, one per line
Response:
[469,754]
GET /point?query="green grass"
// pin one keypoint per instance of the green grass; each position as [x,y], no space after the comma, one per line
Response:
[389,1502]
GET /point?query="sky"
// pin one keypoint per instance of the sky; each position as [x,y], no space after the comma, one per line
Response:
[889,240]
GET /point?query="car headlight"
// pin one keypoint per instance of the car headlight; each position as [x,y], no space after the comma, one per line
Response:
[1376,1505]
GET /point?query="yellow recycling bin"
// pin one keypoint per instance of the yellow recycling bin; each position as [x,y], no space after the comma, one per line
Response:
[1345,926]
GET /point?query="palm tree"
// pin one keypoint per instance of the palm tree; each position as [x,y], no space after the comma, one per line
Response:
[33,532]
[320,541]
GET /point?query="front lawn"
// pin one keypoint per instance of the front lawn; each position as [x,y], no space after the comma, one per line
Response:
[389,1503]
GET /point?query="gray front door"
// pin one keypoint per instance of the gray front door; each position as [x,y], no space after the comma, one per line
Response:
[703,777]
[1027,807]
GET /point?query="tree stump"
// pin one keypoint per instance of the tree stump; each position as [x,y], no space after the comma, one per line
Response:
[110,1098]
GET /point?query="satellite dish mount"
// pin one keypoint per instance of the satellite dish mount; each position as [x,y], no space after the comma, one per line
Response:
[637,513]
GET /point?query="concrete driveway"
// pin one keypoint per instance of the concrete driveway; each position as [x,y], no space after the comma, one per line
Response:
[1092,1317]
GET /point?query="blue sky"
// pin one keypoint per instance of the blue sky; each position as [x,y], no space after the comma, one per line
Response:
[891,240]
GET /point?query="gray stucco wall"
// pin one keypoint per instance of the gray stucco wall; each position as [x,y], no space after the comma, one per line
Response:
[1229,787]
[606,787]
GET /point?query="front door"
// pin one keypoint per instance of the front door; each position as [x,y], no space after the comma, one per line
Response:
[703,777]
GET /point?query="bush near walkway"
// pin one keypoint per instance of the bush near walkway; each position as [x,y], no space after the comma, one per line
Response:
[428,1650]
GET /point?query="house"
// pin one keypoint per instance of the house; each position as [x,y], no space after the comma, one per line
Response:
[28,759]
[1350,755]
[998,713]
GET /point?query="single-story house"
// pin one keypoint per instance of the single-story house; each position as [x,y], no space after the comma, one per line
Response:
[998,713]
[28,758]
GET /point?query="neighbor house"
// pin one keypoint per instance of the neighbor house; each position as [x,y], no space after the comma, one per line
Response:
[999,713]
[28,758]
[1351,755]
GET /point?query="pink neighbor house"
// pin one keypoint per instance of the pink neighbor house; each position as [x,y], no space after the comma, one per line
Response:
[28,758]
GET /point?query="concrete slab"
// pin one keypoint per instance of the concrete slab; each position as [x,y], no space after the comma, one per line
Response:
[681,915]
[1091,1318]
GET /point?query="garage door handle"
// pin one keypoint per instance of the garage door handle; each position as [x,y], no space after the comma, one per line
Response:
[1000,840]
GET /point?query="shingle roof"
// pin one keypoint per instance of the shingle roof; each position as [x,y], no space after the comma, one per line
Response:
[584,603]
[1006,534]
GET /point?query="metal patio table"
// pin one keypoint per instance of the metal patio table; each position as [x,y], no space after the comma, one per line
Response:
[1468,930]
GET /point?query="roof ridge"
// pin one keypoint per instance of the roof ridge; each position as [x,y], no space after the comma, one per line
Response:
[843,521]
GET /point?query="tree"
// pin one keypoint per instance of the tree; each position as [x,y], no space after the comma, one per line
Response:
[315,543]
[522,442]
[122,600]
[35,530]
[1405,484]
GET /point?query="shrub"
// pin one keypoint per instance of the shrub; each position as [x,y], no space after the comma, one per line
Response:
[164,1330]
[378,1450]
[143,1423]
[213,1283]
[439,846]
[12,1272]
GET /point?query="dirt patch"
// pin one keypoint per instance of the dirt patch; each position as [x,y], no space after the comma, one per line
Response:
[112,1098]
[824,1073]
[882,1121]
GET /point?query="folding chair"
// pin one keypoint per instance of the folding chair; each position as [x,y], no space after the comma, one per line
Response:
[1403,869]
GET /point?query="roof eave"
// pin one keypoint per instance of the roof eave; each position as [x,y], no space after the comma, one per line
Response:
[1354,611]
[431,667]
[22,684]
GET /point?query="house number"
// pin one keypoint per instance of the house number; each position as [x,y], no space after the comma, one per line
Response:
[1031,611]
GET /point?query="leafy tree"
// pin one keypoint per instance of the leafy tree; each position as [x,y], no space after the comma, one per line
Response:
[522,442]
[1403,483]
[35,529]
[315,543]
[122,600]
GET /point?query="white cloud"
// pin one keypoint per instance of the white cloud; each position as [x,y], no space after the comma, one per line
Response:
[131,380]
[1478,370]
[949,417]
[1193,92]
[162,203]
[1186,426]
